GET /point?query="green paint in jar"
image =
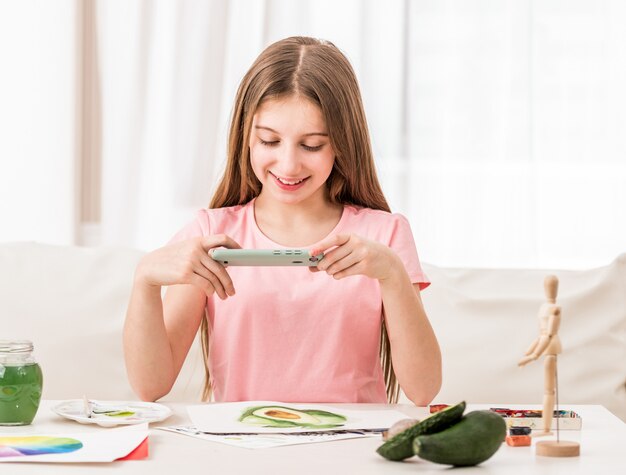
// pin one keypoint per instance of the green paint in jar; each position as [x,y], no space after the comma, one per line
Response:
[21,382]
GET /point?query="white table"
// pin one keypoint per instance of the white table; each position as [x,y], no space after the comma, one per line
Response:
[602,439]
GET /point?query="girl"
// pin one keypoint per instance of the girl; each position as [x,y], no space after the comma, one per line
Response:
[299,174]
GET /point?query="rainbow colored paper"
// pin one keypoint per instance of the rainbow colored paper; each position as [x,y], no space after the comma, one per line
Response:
[37,445]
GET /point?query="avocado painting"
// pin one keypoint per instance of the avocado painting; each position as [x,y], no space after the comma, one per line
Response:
[287,417]
[278,417]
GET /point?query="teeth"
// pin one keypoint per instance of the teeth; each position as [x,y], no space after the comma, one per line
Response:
[285,182]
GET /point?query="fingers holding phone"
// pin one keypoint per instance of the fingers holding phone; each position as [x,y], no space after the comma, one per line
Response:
[188,262]
[350,254]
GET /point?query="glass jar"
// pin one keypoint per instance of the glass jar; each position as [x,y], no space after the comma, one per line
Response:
[21,381]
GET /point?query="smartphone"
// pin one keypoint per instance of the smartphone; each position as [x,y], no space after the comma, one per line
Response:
[266,257]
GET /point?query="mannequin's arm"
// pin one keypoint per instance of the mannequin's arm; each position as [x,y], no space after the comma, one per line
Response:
[554,322]
[532,347]
[542,344]
[539,346]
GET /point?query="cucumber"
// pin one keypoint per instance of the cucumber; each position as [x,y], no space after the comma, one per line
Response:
[400,446]
[472,440]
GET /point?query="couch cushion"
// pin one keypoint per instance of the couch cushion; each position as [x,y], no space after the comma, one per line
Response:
[485,320]
[71,302]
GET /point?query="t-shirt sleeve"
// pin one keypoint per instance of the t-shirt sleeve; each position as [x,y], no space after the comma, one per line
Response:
[197,228]
[402,242]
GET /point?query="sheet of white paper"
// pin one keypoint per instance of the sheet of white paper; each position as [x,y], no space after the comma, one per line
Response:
[264,441]
[104,445]
[225,417]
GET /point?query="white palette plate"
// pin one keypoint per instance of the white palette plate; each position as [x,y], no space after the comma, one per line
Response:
[112,413]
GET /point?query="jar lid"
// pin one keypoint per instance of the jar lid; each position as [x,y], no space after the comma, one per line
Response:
[16,346]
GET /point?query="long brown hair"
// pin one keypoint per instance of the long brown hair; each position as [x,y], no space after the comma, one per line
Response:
[318,71]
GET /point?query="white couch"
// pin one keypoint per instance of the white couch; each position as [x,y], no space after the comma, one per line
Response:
[71,301]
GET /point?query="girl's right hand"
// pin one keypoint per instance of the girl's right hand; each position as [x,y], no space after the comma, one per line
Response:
[189,262]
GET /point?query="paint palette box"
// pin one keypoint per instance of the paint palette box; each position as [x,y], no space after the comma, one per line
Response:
[564,419]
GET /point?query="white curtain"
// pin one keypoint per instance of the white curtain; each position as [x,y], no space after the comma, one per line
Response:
[498,126]
[517,131]
[38,109]
[164,93]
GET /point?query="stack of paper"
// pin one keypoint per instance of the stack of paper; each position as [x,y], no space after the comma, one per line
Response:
[259,424]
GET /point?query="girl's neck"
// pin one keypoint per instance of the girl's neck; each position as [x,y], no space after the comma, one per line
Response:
[296,225]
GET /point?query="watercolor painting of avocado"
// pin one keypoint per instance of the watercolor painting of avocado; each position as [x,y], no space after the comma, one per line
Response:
[278,417]
[288,417]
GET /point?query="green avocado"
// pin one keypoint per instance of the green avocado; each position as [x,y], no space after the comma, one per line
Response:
[400,446]
[472,440]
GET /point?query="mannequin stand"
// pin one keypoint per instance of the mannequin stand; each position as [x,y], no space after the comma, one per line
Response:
[557,448]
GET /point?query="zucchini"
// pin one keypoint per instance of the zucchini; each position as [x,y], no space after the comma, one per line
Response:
[400,446]
[472,440]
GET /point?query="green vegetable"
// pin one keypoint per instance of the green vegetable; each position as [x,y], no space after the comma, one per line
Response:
[472,440]
[400,446]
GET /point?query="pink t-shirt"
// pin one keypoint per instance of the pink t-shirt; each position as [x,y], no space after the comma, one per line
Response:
[293,335]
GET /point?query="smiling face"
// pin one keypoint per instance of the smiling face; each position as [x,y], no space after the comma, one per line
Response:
[290,151]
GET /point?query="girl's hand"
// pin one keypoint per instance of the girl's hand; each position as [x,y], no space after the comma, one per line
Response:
[188,262]
[353,255]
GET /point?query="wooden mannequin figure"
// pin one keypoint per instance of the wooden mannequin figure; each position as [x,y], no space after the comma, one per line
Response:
[548,345]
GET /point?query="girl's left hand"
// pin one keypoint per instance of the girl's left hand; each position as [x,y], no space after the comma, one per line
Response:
[350,254]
